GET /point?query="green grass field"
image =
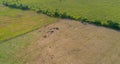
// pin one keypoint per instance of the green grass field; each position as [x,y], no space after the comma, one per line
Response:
[14,22]
[95,11]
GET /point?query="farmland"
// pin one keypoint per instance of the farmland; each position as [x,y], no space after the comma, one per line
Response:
[59,32]
[73,43]
[102,12]
[14,22]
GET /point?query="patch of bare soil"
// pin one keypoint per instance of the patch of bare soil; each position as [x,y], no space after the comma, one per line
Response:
[71,42]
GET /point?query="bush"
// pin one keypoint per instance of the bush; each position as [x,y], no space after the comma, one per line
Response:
[113,24]
[84,19]
[56,13]
[97,22]
[5,3]
[19,6]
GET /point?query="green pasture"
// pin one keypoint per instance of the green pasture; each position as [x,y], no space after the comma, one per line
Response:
[14,22]
[95,11]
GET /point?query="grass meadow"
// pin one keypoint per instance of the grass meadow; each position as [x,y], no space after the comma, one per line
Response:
[101,12]
[14,22]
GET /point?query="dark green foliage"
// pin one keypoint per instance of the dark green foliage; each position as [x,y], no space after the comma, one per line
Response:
[56,13]
[39,11]
[97,22]
[64,15]
[113,24]
[5,3]
[84,19]
[18,6]
[24,7]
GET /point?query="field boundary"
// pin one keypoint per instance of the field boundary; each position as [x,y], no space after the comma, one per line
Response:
[56,13]
[18,35]
[2,41]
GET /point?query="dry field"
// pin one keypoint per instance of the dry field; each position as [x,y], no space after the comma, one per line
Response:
[71,42]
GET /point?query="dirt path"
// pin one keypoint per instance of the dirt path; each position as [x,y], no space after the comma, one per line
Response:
[71,42]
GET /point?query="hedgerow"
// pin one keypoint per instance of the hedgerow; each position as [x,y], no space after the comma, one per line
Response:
[58,13]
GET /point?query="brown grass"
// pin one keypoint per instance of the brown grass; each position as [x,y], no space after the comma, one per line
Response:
[73,43]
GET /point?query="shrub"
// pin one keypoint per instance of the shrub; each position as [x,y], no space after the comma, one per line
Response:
[5,3]
[56,13]
[39,11]
[97,22]
[113,24]
[84,19]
